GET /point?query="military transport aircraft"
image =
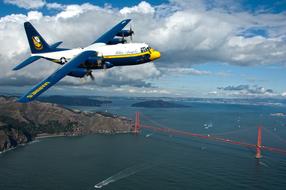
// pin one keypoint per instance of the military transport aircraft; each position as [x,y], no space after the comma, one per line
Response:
[109,50]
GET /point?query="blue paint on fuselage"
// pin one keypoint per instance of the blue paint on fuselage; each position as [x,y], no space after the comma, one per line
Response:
[123,61]
[120,61]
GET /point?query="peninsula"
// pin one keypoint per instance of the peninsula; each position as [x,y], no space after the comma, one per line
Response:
[21,123]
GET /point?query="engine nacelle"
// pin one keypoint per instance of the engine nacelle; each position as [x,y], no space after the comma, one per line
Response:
[93,63]
[96,63]
[78,72]
[107,65]
[117,41]
[125,33]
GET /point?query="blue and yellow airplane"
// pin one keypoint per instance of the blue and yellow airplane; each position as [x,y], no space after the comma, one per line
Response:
[109,50]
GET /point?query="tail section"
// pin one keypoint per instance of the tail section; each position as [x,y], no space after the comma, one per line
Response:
[37,45]
[36,41]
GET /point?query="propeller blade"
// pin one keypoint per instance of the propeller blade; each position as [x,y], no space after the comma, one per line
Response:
[89,74]
[131,33]
[122,36]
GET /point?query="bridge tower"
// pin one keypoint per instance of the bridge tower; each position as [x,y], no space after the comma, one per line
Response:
[137,123]
[258,145]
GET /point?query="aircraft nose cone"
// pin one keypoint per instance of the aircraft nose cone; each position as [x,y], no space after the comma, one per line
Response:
[155,55]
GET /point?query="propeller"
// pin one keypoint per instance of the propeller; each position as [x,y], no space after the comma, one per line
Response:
[104,67]
[89,74]
[131,33]
[122,37]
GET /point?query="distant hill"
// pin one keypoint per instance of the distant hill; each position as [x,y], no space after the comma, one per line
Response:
[21,123]
[73,100]
[158,104]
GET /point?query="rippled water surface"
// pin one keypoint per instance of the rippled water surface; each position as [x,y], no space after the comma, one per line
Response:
[156,161]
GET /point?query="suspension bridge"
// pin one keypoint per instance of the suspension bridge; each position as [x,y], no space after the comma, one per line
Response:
[175,132]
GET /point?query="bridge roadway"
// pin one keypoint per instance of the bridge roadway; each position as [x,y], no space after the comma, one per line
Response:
[209,137]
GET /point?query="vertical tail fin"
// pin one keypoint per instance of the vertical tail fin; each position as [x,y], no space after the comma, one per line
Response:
[36,41]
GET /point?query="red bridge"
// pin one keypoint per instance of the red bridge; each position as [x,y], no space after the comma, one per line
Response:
[176,132]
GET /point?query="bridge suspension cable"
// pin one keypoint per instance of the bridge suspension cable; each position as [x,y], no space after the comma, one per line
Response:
[258,146]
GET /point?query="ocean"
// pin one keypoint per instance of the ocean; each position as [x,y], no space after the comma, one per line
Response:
[151,160]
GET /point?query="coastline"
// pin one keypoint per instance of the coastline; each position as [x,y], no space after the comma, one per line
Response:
[15,147]
[46,135]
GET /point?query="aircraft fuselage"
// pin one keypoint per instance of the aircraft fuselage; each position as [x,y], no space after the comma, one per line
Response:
[117,55]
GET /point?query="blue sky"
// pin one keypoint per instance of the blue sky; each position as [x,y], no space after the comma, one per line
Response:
[210,48]
[275,6]
[7,8]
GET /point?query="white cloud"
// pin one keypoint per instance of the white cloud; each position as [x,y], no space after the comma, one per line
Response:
[136,76]
[71,11]
[27,4]
[213,93]
[192,36]
[55,6]
[247,91]
[142,91]
[185,71]
[142,7]
[188,34]
[35,15]
[139,72]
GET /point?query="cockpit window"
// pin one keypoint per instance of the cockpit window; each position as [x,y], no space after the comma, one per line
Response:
[145,49]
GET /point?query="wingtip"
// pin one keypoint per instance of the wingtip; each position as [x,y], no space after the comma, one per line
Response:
[23,99]
[126,20]
[15,68]
[27,23]
[20,101]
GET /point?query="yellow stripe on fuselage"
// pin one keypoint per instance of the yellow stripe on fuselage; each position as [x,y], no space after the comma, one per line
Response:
[125,55]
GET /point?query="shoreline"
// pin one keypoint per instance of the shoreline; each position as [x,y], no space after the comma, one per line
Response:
[44,136]
[18,146]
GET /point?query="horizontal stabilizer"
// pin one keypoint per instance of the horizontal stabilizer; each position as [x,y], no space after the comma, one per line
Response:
[55,45]
[27,62]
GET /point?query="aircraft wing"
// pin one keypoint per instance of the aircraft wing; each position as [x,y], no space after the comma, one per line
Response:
[109,35]
[56,76]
